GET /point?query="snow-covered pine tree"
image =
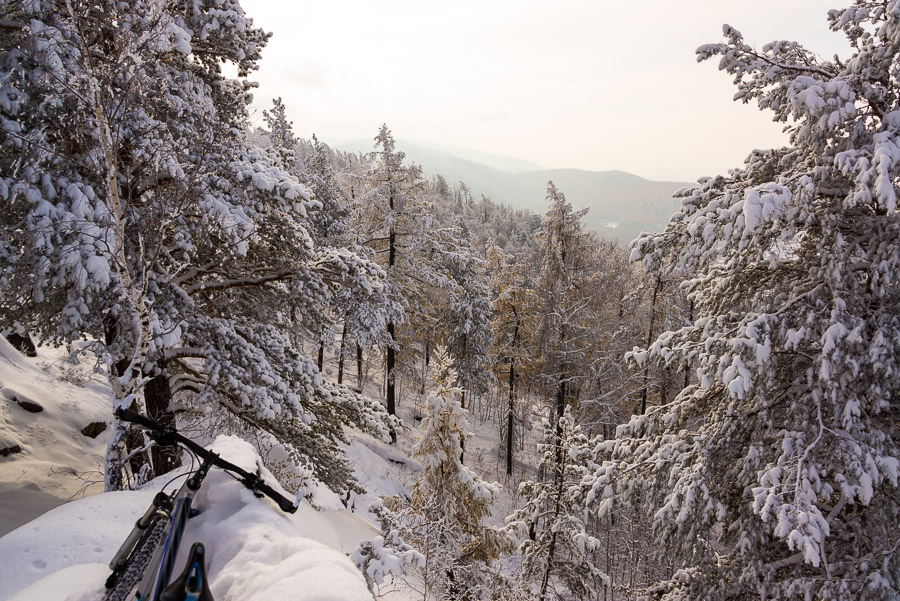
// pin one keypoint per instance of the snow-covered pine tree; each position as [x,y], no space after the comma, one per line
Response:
[776,477]
[135,213]
[564,294]
[389,214]
[363,316]
[466,318]
[281,134]
[613,390]
[429,264]
[464,497]
[88,153]
[331,223]
[558,561]
[360,314]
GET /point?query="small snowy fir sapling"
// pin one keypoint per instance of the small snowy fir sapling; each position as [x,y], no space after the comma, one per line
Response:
[443,518]
[387,554]
[462,495]
[556,548]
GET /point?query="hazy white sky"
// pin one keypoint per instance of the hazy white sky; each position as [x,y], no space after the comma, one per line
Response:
[590,84]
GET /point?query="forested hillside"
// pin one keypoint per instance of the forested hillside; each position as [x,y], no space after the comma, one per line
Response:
[621,205]
[710,413]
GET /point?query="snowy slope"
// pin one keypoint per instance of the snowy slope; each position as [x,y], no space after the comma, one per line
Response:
[48,460]
[254,550]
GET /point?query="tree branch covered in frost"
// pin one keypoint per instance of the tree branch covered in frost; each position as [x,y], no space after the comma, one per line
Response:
[135,212]
[777,474]
[386,554]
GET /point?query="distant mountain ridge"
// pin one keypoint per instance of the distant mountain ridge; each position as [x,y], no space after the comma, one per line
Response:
[497,162]
[621,205]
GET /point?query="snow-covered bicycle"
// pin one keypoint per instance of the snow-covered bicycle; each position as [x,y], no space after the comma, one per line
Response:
[143,566]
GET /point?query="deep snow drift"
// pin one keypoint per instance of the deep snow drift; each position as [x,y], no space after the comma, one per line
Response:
[254,551]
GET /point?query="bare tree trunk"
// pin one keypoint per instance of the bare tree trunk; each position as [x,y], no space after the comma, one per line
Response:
[340,376]
[157,396]
[392,257]
[510,413]
[132,438]
[359,370]
[425,361]
[391,382]
[632,557]
[462,440]
[561,391]
[687,368]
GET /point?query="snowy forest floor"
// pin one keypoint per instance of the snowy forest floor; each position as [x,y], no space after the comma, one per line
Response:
[58,532]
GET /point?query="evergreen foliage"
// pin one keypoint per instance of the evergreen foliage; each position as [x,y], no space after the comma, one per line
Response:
[461,496]
[776,475]
[443,519]
[557,551]
[387,554]
[136,214]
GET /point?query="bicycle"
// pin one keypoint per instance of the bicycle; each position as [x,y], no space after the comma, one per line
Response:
[145,561]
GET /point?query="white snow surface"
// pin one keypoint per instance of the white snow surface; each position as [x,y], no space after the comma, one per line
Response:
[254,551]
[56,462]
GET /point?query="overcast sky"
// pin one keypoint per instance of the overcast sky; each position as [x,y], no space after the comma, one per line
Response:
[589,84]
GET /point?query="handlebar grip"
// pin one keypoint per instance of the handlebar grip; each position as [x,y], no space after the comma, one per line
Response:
[249,480]
[127,415]
[285,504]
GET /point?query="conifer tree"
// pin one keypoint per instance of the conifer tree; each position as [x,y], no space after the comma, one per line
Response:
[564,300]
[135,213]
[463,497]
[391,213]
[467,316]
[281,134]
[444,517]
[431,270]
[559,557]
[512,321]
[776,475]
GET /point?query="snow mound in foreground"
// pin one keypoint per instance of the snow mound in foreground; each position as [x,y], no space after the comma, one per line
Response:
[254,551]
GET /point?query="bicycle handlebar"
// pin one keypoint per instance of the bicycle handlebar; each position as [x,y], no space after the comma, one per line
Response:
[168,435]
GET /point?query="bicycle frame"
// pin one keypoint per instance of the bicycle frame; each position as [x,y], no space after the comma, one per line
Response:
[174,511]
[163,563]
